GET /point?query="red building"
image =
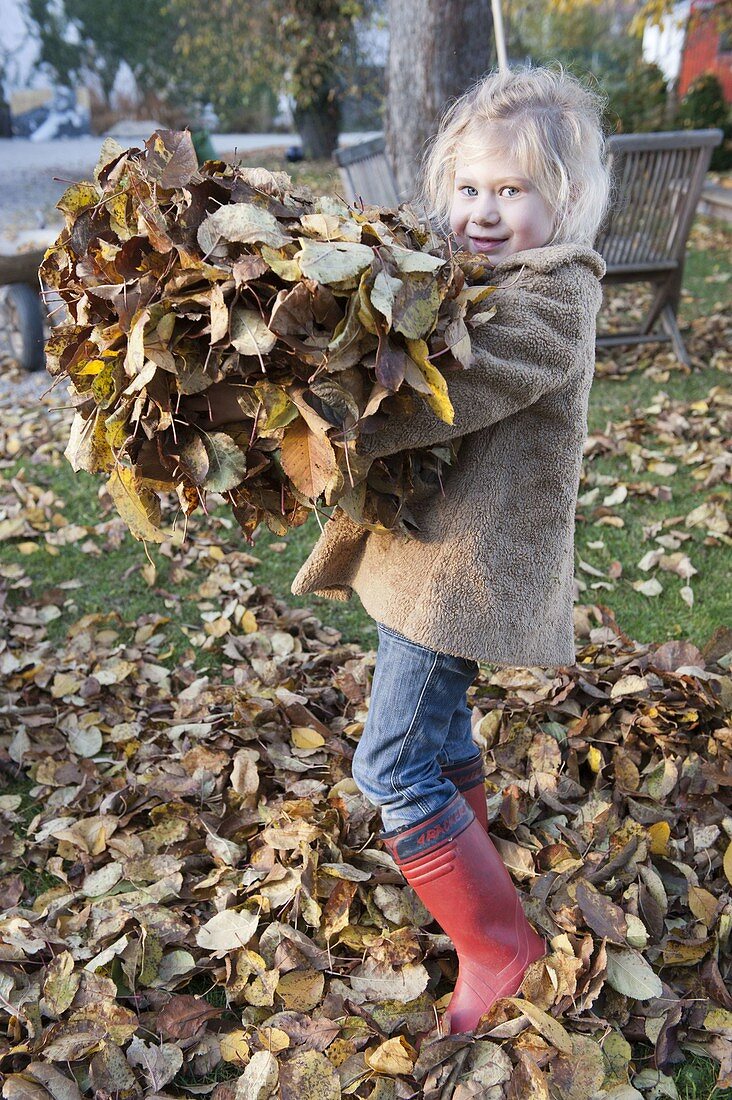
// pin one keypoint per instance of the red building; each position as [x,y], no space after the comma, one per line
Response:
[707,47]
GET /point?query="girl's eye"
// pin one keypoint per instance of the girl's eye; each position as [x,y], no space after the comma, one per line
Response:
[508,187]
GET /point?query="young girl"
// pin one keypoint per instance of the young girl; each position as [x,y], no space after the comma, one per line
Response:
[518,168]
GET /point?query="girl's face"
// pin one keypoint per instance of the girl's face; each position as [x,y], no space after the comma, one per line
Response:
[495,209]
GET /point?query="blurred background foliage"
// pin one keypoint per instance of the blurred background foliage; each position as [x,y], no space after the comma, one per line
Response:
[236,63]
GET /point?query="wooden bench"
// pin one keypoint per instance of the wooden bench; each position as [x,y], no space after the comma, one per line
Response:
[366,174]
[658,179]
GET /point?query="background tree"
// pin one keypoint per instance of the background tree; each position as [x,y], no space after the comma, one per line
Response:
[223,48]
[5,130]
[295,47]
[704,107]
[437,49]
[236,56]
[79,38]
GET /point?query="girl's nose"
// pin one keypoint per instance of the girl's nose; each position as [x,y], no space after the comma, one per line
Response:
[486,210]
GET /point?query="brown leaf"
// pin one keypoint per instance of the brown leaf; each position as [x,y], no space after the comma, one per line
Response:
[604,917]
[308,459]
[184,1016]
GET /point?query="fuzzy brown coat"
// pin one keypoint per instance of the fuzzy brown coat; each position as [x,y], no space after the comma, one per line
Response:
[489,576]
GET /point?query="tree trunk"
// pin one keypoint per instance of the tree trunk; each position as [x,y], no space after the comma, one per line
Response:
[437,49]
[318,126]
[671,105]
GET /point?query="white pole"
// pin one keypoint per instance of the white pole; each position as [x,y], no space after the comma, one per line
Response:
[500,36]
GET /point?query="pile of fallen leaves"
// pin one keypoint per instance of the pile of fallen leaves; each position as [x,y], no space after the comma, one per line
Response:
[196,893]
[194,899]
[231,334]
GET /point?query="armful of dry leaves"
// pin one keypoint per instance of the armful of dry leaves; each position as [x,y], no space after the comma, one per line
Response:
[230,334]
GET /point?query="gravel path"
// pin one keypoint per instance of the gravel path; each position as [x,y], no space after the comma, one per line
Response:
[28,200]
[18,387]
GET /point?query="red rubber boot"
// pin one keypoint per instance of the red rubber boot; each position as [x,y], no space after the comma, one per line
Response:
[468,778]
[452,865]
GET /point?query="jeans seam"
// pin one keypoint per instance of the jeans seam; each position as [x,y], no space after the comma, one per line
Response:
[407,734]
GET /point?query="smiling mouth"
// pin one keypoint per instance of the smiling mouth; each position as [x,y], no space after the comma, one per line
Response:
[487,244]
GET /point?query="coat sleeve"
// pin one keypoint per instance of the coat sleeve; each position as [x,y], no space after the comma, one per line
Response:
[528,349]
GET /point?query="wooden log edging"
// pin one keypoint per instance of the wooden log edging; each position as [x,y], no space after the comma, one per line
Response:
[716,202]
[20,267]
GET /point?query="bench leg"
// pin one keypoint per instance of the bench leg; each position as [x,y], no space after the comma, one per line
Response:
[669,322]
[669,291]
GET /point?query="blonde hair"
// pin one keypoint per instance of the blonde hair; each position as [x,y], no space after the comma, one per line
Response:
[552,124]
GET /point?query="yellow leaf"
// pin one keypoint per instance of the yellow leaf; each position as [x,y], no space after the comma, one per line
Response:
[476,294]
[93,366]
[273,1038]
[77,198]
[249,623]
[305,738]
[545,1024]
[719,1019]
[594,759]
[439,400]
[301,990]
[234,1046]
[218,627]
[60,984]
[138,506]
[703,905]
[392,1057]
[117,208]
[659,834]
[116,426]
[65,683]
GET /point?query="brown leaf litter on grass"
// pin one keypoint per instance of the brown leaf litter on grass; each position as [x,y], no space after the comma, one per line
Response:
[669,436]
[708,339]
[194,901]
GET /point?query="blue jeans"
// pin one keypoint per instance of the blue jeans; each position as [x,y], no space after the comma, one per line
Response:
[418,721]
